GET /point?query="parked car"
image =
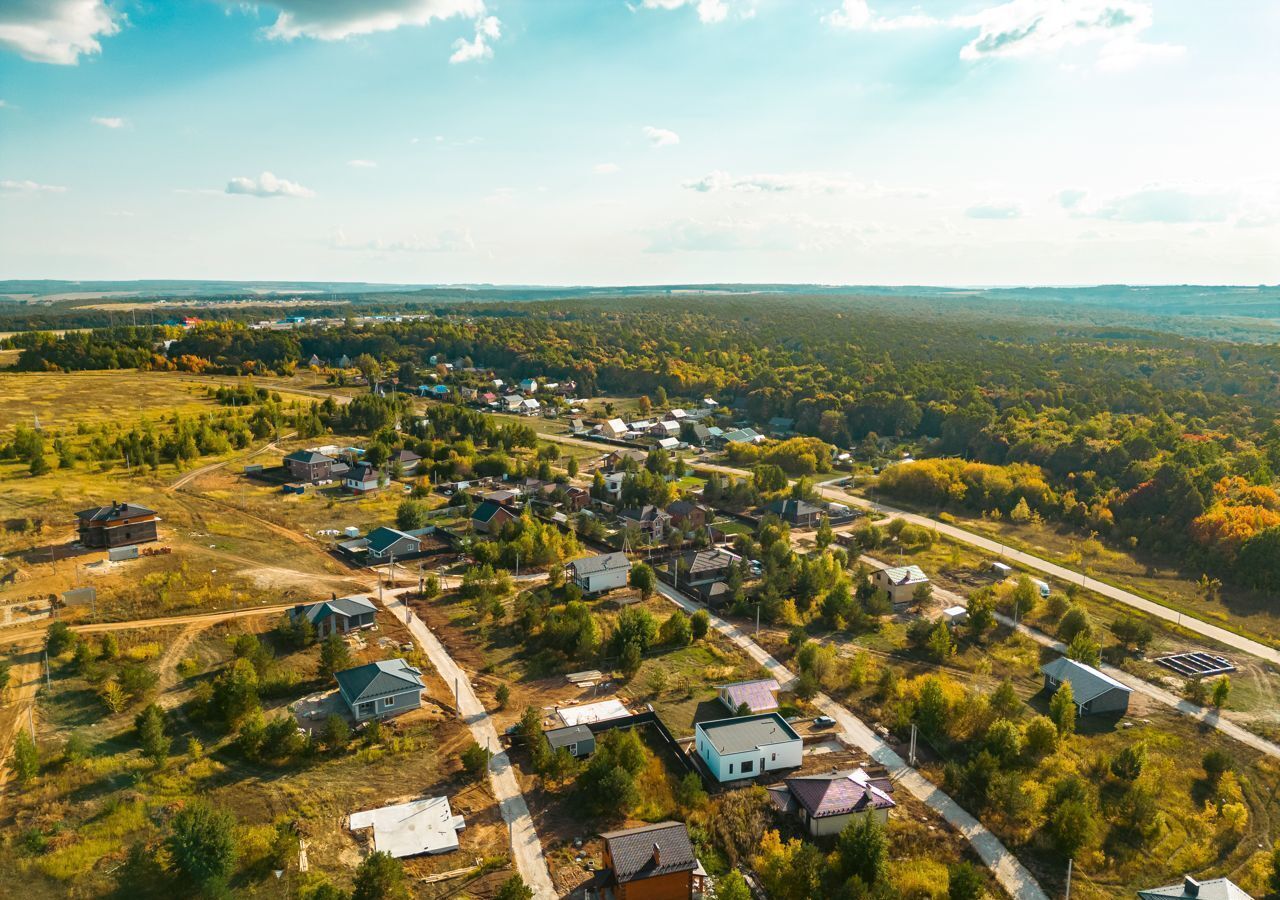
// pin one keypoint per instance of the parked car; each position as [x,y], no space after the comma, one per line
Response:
[823,722]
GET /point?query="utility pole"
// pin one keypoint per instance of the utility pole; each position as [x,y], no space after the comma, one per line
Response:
[757,618]
[911,754]
[1069,867]
[48,675]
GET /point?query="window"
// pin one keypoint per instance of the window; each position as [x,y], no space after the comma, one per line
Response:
[388,701]
[748,765]
[773,757]
[730,768]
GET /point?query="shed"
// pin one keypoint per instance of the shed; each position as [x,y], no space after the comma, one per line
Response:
[577,739]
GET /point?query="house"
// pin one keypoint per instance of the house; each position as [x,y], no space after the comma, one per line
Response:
[378,690]
[651,521]
[613,428]
[699,434]
[1093,691]
[758,696]
[747,746]
[669,443]
[117,525]
[703,566]
[742,436]
[512,402]
[613,484]
[576,498]
[407,459]
[577,739]
[336,616]
[714,594]
[801,513]
[826,804]
[502,498]
[529,407]
[363,479]
[899,582]
[344,361]
[529,386]
[408,829]
[687,515]
[1191,889]
[309,466]
[665,428]
[385,543]
[618,459]
[577,426]
[596,574]
[489,517]
[653,862]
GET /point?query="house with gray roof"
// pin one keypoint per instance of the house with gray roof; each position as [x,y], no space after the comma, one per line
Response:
[379,690]
[597,574]
[1192,889]
[577,739]
[900,582]
[801,513]
[747,746]
[1093,691]
[827,803]
[117,525]
[310,466]
[384,542]
[338,615]
[650,861]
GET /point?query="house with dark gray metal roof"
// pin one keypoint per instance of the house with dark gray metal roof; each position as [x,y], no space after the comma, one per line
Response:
[364,479]
[309,466]
[827,803]
[796,512]
[577,739]
[337,615]
[489,517]
[1192,889]
[747,746]
[117,525]
[596,574]
[1093,691]
[379,690]
[653,862]
[384,543]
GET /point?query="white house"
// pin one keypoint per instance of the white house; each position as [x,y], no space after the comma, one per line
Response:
[529,386]
[605,572]
[613,428]
[748,746]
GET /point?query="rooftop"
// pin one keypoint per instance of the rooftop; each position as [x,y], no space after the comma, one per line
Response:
[113,512]
[388,676]
[347,606]
[839,793]
[383,537]
[583,713]
[1213,889]
[906,575]
[1086,681]
[760,695]
[605,562]
[407,829]
[570,734]
[650,850]
[745,733]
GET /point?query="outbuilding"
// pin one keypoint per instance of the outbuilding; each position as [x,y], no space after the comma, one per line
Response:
[577,739]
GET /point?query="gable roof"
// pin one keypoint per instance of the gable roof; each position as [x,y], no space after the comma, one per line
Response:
[906,575]
[760,695]
[355,605]
[404,457]
[383,537]
[1086,681]
[647,513]
[388,676]
[487,510]
[632,851]
[840,793]
[744,733]
[113,512]
[569,734]
[702,561]
[308,456]
[605,562]
[1213,889]
[363,472]
[788,507]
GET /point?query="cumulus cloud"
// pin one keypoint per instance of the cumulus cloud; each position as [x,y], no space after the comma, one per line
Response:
[488,28]
[606,168]
[709,11]
[660,137]
[794,182]
[267,185]
[362,164]
[1169,204]
[1024,28]
[335,20]
[450,240]
[779,233]
[1069,198]
[58,32]
[30,187]
[994,210]
[108,121]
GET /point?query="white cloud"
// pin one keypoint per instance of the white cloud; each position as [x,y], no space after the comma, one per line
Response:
[709,11]
[3,104]
[793,182]
[661,137]
[335,20]
[797,233]
[362,164]
[488,28]
[1025,28]
[994,210]
[267,185]
[108,121]
[606,168]
[55,31]
[30,187]
[1169,204]
[450,240]
[1069,198]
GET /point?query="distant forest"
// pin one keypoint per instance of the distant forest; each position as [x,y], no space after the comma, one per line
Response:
[1167,442]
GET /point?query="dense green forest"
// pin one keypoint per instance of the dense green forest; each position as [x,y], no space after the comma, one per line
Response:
[1169,443]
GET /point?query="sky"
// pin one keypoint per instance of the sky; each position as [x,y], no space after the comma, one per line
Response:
[930,142]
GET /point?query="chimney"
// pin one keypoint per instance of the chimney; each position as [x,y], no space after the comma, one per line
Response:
[657,855]
[1190,886]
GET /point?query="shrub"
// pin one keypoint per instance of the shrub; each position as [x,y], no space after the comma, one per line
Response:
[699,624]
[475,760]
[202,843]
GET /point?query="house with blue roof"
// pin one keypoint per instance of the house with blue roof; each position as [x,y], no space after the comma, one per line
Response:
[338,615]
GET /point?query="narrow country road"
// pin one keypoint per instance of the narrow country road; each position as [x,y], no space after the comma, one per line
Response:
[1011,874]
[526,849]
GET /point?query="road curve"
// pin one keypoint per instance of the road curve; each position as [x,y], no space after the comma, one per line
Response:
[526,849]
[1011,874]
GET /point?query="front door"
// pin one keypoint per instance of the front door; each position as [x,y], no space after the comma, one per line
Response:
[762,764]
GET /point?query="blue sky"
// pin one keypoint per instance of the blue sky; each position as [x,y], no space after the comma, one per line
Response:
[594,141]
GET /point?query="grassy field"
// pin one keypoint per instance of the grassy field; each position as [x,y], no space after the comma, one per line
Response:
[70,832]
[66,400]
